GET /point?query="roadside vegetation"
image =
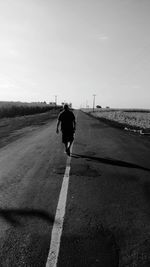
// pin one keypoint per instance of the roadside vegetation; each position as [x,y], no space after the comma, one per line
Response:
[15,125]
[14,109]
[125,118]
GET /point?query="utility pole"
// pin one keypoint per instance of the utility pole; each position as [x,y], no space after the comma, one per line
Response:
[93,102]
[56,100]
[86,104]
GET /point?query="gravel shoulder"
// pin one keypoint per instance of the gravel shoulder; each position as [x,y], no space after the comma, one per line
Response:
[138,122]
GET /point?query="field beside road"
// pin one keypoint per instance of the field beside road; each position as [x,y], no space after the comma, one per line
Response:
[14,109]
[134,119]
[13,128]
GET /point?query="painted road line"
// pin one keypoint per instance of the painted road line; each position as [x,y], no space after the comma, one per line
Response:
[59,219]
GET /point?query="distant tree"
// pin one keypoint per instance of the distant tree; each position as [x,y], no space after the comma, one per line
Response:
[98,106]
[52,104]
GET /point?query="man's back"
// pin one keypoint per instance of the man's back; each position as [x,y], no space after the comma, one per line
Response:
[67,119]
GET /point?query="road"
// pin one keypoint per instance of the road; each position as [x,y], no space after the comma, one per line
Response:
[107,211]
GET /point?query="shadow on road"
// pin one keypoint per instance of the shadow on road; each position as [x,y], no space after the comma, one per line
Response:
[146,188]
[13,216]
[110,161]
[94,247]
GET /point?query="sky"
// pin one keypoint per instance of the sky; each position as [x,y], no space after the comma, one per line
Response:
[75,49]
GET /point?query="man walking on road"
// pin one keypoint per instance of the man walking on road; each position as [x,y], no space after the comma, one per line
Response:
[68,126]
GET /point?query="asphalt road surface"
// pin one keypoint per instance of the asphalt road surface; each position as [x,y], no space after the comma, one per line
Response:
[107,212]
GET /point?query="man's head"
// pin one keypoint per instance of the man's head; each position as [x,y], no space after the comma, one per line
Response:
[66,107]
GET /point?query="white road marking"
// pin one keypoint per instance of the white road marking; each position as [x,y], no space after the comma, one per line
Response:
[59,219]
